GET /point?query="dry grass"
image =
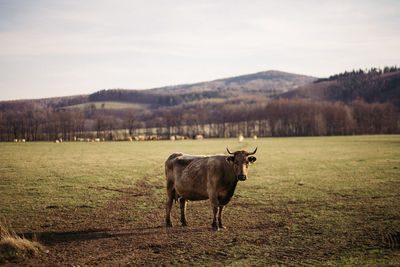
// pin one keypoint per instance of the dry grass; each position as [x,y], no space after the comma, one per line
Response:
[13,247]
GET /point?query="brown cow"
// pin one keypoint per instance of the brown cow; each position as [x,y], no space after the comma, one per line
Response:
[205,177]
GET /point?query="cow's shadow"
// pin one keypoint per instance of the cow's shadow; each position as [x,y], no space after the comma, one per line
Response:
[53,238]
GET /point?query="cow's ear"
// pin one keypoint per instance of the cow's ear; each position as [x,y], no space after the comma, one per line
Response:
[230,159]
[252,159]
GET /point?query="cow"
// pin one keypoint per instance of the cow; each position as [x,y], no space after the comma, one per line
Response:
[214,177]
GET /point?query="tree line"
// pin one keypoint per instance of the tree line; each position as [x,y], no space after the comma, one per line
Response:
[373,85]
[155,99]
[228,118]
[360,72]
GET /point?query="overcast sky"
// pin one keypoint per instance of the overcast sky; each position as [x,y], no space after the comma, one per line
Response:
[59,48]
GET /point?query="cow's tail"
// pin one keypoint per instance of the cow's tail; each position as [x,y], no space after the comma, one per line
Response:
[169,166]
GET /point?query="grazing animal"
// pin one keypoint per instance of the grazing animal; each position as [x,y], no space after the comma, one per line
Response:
[205,177]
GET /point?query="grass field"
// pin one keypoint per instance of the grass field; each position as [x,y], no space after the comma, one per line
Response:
[110,105]
[322,201]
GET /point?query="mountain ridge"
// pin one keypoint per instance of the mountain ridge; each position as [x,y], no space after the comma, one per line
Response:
[264,83]
[259,81]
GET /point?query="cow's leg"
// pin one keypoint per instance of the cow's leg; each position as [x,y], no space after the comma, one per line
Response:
[214,203]
[170,199]
[214,223]
[220,209]
[168,217]
[183,210]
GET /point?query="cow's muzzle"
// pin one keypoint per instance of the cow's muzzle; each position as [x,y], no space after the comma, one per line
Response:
[242,177]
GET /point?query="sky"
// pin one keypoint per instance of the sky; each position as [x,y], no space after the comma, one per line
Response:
[68,47]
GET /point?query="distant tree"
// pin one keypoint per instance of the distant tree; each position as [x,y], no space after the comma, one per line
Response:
[78,122]
[90,111]
[110,124]
[101,126]
[130,121]
[374,118]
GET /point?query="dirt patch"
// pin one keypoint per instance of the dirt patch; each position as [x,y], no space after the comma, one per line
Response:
[141,189]
[129,231]
[82,237]
[116,235]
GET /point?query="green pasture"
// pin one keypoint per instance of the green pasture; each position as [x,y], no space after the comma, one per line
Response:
[109,105]
[308,201]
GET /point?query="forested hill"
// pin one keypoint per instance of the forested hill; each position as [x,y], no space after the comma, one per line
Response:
[373,86]
[263,83]
[266,83]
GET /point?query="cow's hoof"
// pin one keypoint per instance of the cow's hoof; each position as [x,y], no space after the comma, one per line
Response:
[215,227]
[184,224]
[221,227]
[169,224]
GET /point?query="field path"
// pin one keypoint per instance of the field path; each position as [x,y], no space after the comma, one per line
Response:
[111,237]
[107,236]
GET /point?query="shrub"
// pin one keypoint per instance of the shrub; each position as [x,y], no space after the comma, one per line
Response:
[13,247]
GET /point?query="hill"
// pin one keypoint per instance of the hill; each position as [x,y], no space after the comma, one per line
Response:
[260,84]
[371,86]
[266,83]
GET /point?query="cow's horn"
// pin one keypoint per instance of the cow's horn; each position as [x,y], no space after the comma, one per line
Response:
[252,153]
[227,149]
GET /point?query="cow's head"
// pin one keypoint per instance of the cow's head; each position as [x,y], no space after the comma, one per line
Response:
[240,161]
